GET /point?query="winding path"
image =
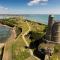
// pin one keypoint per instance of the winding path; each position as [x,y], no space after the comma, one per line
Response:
[23,36]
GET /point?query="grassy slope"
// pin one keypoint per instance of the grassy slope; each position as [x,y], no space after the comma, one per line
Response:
[18,46]
[37,30]
[18,50]
[56,54]
[37,27]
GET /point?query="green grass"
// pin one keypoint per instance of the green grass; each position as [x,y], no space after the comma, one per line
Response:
[37,27]
[17,48]
[23,25]
[37,30]
[57,48]
[56,54]
[54,57]
[19,52]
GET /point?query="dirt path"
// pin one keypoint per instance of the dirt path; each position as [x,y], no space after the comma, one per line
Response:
[23,36]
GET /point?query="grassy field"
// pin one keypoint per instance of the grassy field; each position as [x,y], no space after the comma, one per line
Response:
[36,26]
[37,30]
[18,48]
[55,57]
[56,54]
[19,52]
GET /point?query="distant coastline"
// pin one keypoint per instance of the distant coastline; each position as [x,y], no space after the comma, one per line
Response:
[43,18]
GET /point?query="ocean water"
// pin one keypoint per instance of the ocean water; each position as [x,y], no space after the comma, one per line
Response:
[42,18]
[4,33]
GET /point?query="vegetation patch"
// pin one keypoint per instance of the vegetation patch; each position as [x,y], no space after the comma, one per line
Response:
[19,52]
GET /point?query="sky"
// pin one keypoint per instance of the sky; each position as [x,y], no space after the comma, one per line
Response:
[29,6]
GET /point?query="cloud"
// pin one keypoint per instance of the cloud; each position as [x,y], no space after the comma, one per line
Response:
[36,2]
[3,8]
[8,10]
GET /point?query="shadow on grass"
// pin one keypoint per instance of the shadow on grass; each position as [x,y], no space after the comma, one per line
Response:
[36,40]
[34,45]
[39,54]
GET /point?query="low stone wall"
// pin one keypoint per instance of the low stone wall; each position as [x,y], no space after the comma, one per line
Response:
[7,52]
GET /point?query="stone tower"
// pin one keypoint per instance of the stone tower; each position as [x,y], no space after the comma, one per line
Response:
[56,32]
[50,24]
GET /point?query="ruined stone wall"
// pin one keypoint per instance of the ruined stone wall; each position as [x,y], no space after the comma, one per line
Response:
[56,32]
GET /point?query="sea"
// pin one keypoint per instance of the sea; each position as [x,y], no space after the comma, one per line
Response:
[5,33]
[42,18]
